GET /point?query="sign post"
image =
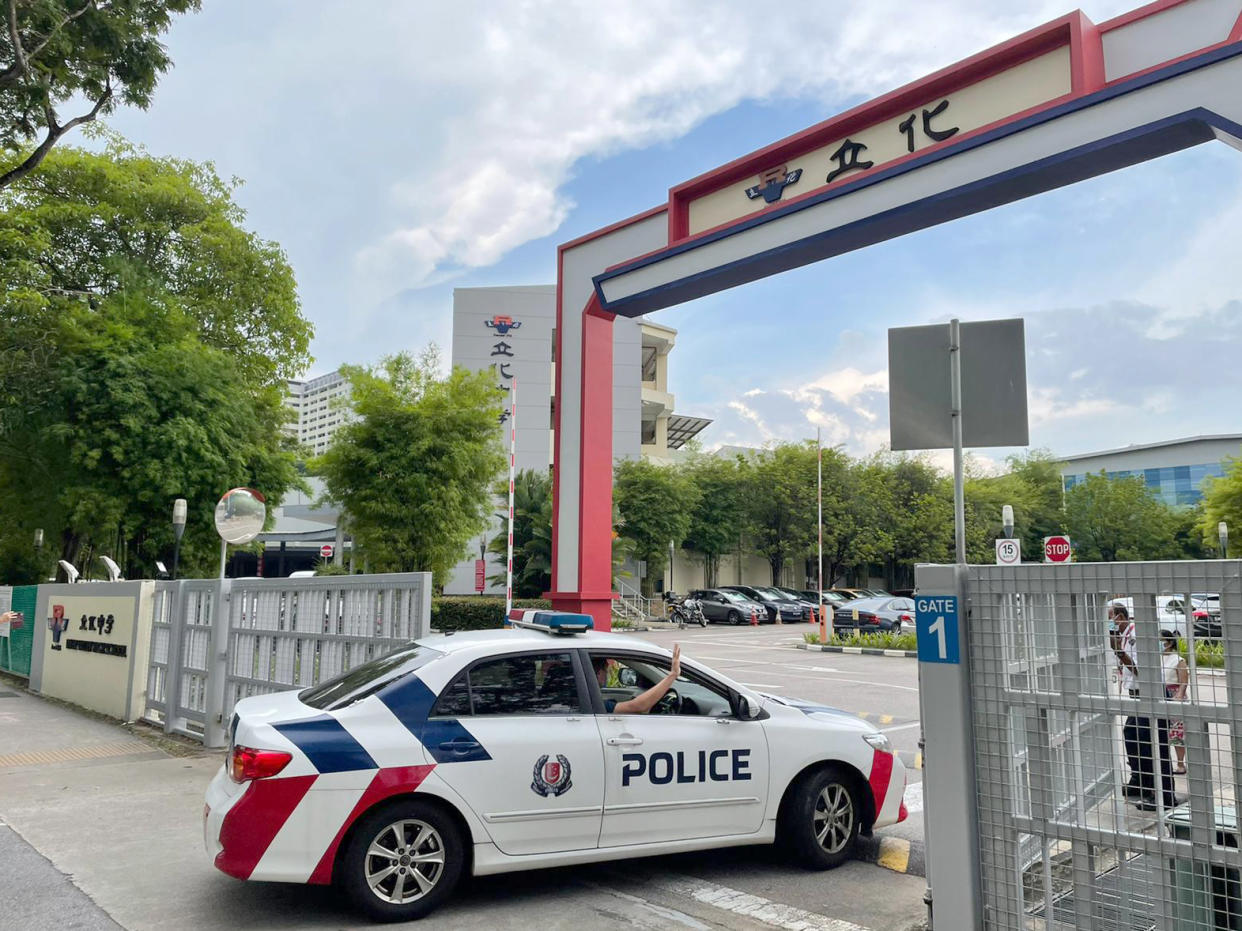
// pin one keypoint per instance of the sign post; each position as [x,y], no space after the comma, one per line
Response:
[1008,552]
[1058,549]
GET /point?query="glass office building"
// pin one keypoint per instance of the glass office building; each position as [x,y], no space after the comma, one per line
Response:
[1173,470]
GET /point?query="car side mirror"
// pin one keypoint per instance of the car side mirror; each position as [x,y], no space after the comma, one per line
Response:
[628,678]
[747,708]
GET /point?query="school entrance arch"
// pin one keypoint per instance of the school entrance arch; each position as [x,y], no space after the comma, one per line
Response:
[1067,101]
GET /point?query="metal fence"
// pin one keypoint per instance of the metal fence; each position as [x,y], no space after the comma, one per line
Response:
[1083,822]
[216,642]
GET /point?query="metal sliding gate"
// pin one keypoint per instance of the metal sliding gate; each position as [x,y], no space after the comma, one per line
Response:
[214,642]
[1062,841]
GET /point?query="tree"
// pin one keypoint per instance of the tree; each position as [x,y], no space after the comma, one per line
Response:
[1032,486]
[857,505]
[138,411]
[144,334]
[532,534]
[53,51]
[654,504]
[1222,500]
[88,225]
[919,518]
[1119,519]
[781,504]
[415,470]
[718,517]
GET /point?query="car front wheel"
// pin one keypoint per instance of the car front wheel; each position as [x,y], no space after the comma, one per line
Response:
[735,617]
[820,823]
[402,861]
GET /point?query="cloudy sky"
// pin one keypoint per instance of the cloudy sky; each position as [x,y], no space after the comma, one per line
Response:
[398,149]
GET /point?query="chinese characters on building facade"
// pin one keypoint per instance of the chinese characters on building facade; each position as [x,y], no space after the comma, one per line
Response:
[502,350]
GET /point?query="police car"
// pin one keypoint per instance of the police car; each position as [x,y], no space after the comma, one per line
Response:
[501,750]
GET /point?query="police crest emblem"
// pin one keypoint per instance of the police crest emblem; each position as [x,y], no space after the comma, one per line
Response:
[551,778]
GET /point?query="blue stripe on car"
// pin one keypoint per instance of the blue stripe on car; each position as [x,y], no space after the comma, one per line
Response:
[446,739]
[326,743]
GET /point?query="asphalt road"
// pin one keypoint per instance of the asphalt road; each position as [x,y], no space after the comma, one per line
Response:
[107,827]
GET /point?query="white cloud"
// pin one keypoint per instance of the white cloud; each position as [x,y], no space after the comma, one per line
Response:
[485,116]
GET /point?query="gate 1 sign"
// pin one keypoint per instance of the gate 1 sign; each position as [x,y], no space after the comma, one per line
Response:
[935,620]
[1057,549]
[1008,552]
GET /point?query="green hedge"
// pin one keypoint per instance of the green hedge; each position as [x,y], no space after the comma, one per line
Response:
[480,612]
[883,641]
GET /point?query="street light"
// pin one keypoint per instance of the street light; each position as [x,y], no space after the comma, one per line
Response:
[178,522]
[1222,532]
[1007,521]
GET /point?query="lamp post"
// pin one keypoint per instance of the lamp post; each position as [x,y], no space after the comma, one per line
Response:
[1222,533]
[1007,521]
[39,539]
[178,521]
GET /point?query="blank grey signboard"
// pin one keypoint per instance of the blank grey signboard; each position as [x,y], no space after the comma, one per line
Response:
[993,385]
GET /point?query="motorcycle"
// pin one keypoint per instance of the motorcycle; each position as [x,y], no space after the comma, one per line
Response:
[685,611]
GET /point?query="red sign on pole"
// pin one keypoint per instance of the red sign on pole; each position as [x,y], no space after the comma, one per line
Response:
[1057,549]
[480,573]
[326,551]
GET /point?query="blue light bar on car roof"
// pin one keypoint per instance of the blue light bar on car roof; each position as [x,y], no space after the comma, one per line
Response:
[551,622]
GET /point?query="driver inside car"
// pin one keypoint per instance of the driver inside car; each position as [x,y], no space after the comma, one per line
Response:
[643,703]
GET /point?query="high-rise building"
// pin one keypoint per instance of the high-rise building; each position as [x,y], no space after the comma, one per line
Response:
[511,332]
[321,406]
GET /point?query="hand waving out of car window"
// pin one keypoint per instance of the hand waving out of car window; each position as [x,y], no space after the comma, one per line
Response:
[640,704]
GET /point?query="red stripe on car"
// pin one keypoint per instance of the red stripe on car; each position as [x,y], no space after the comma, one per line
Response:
[881,774]
[394,780]
[250,825]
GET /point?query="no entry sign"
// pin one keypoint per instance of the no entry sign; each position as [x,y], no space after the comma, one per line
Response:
[326,551]
[1057,549]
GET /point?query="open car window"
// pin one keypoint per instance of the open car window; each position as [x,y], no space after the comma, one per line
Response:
[627,677]
[542,683]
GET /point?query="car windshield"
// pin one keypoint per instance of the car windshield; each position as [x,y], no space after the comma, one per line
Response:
[364,680]
[865,604]
[735,597]
[775,594]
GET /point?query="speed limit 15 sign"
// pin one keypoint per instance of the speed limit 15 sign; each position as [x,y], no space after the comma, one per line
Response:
[1008,552]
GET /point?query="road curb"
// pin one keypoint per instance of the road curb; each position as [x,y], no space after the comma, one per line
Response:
[893,853]
[864,651]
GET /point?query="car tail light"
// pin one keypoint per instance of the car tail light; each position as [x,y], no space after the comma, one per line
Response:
[1201,615]
[905,617]
[248,763]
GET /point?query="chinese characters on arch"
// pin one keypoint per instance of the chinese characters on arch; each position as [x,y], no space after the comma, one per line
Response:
[502,356]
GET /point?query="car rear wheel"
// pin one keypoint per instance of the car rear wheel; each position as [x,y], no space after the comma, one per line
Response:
[735,617]
[402,861]
[820,822]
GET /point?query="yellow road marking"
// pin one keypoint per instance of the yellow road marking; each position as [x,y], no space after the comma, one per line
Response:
[918,760]
[886,719]
[70,754]
[894,854]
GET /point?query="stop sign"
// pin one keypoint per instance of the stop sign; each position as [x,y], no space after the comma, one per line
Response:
[326,551]
[1057,549]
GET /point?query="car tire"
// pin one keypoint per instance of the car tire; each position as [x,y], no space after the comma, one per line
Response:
[735,617]
[820,821]
[427,834]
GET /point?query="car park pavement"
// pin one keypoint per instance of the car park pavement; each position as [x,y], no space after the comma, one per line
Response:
[101,826]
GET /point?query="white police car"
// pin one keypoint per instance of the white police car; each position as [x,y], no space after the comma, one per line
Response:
[494,751]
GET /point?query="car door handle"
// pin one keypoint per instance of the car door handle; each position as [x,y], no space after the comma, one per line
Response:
[623,741]
[459,745]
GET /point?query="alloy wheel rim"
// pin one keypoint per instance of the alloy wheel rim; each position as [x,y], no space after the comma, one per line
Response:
[833,818]
[404,861]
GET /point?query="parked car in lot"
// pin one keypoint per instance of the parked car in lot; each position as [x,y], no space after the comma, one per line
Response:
[872,615]
[831,598]
[805,607]
[777,606]
[1170,613]
[720,604]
